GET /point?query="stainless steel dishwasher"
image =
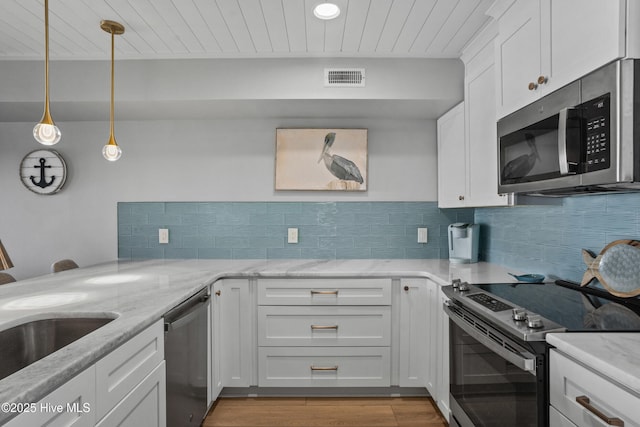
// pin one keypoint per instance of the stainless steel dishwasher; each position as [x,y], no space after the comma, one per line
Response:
[185,349]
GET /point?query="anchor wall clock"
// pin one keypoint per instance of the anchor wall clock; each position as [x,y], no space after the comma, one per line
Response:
[43,171]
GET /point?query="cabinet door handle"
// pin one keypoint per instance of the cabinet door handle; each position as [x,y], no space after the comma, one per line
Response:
[585,402]
[218,293]
[324,292]
[406,288]
[542,80]
[532,86]
[460,197]
[324,368]
[324,327]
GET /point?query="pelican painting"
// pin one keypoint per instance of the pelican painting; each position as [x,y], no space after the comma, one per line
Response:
[342,165]
[343,169]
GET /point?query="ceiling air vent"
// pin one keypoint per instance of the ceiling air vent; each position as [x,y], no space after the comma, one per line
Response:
[344,77]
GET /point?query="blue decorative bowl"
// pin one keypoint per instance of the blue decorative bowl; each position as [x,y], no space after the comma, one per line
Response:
[529,278]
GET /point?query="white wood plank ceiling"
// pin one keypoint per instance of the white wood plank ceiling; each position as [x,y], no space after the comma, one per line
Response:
[240,28]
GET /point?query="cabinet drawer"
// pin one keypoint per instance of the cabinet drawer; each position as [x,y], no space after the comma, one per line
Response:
[324,291]
[145,405]
[324,367]
[570,380]
[324,326]
[123,369]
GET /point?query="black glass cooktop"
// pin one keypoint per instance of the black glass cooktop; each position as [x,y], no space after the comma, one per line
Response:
[567,304]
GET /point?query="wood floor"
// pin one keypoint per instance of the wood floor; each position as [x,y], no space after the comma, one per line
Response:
[325,412]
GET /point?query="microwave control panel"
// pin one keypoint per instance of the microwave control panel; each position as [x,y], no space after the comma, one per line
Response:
[597,149]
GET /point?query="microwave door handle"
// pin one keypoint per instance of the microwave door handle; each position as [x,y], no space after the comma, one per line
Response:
[562,141]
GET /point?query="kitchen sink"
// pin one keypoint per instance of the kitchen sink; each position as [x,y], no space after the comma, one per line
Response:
[24,344]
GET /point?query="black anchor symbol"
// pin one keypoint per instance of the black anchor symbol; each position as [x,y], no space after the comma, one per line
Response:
[43,180]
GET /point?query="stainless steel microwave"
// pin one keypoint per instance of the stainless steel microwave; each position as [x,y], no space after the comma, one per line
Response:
[580,139]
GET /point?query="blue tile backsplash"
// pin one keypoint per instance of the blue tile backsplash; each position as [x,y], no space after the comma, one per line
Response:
[549,239]
[534,239]
[258,230]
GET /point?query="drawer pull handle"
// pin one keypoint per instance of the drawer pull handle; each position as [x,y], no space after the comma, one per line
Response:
[324,292]
[324,368]
[585,402]
[324,327]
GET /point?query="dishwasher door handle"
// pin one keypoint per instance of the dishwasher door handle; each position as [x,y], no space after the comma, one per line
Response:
[185,318]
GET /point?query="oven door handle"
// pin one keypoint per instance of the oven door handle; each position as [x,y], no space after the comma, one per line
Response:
[524,360]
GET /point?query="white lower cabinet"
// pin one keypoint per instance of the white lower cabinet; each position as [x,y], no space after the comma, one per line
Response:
[72,404]
[431,353]
[414,338]
[215,351]
[324,332]
[330,332]
[127,387]
[145,405]
[441,352]
[324,367]
[238,313]
[584,397]
[119,372]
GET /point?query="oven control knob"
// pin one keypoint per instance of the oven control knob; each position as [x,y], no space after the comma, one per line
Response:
[534,321]
[464,286]
[455,283]
[518,314]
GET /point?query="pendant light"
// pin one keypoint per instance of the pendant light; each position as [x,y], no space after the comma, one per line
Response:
[46,132]
[111,151]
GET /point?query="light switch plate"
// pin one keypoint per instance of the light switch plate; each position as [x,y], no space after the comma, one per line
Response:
[292,235]
[163,235]
[422,235]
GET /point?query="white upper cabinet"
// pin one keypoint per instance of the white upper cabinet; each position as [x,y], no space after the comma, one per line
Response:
[518,56]
[545,44]
[452,172]
[467,137]
[596,37]
[480,123]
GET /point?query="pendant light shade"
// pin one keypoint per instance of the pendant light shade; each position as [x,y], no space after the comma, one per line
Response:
[111,151]
[46,132]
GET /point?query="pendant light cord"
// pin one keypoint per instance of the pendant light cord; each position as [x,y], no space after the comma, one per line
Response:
[112,80]
[46,56]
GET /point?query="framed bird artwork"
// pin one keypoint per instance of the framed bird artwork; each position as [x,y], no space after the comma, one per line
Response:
[321,159]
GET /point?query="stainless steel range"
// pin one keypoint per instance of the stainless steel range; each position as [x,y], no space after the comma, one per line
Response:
[498,369]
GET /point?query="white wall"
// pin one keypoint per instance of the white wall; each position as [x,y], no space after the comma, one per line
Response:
[195,88]
[180,160]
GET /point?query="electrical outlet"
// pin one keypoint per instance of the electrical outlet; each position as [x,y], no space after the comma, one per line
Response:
[422,235]
[292,235]
[163,235]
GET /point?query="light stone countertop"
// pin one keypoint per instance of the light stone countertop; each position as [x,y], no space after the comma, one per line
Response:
[613,355]
[140,292]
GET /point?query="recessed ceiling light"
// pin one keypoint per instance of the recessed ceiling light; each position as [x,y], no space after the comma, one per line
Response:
[326,11]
